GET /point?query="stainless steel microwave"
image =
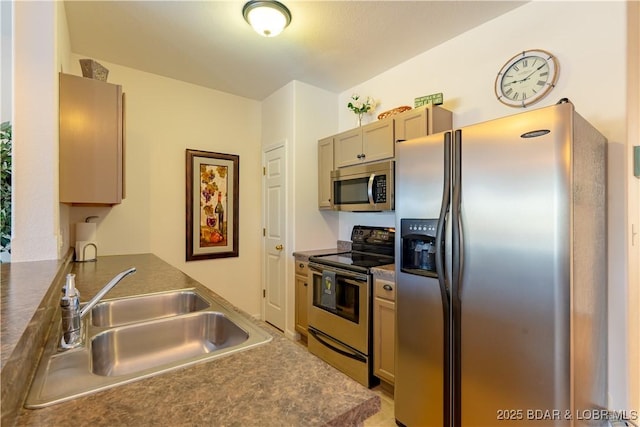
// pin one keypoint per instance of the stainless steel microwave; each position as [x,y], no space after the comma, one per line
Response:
[364,188]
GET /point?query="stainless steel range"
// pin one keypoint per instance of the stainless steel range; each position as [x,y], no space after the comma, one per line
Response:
[340,302]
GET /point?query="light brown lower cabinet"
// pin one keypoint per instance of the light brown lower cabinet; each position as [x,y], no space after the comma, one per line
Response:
[384,329]
[302,285]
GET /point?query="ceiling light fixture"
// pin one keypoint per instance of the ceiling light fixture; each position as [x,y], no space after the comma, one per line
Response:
[267,17]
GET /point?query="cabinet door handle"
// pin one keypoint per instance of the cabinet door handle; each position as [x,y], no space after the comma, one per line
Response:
[279,247]
[301,265]
[387,287]
[363,155]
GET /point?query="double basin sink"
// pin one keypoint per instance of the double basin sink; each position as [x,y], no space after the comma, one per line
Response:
[127,339]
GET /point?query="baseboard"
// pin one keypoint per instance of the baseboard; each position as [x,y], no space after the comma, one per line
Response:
[292,335]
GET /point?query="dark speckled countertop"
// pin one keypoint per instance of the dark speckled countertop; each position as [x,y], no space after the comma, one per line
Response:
[24,285]
[342,246]
[304,255]
[276,384]
[386,272]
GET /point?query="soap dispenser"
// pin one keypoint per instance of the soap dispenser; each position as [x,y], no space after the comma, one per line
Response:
[70,305]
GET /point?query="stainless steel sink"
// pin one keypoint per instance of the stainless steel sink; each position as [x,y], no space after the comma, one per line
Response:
[146,307]
[163,334]
[135,348]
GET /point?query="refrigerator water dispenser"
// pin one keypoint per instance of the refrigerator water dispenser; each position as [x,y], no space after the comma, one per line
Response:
[418,237]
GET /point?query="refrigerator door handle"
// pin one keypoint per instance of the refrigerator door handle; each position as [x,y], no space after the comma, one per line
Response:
[456,219]
[441,270]
[456,279]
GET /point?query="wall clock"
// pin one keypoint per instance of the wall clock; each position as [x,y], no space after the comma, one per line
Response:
[526,78]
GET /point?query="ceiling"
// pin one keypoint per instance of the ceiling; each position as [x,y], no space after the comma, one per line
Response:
[329,44]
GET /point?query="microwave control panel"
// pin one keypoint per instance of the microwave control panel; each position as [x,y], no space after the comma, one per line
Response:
[380,189]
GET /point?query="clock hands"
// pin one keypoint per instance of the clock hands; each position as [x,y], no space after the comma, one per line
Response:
[526,78]
[533,72]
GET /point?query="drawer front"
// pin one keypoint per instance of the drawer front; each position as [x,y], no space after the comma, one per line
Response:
[384,289]
[302,267]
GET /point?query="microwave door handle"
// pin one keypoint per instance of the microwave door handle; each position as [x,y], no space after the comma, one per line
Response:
[370,189]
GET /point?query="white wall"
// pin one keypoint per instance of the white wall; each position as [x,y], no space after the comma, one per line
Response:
[278,129]
[164,117]
[299,115]
[6,77]
[6,28]
[464,69]
[126,228]
[63,48]
[35,223]
[302,114]
[315,117]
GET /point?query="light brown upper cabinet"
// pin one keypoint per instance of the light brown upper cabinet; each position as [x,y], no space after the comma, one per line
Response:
[91,141]
[325,166]
[422,121]
[368,143]
[376,140]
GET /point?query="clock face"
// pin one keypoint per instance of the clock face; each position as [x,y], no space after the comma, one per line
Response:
[526,78]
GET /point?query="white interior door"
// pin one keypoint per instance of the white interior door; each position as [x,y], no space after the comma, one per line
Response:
[274,188]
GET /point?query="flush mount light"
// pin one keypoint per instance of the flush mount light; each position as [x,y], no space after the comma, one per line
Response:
[267,17]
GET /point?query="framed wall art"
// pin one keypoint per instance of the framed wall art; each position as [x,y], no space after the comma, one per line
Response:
[212,205]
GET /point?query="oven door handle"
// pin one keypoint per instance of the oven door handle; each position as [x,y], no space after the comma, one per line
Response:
[354,355]
[359,277]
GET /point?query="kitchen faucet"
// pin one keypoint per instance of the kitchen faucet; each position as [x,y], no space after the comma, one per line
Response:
[71,312]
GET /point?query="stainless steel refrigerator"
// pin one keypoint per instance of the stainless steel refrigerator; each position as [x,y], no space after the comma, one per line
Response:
[501,273]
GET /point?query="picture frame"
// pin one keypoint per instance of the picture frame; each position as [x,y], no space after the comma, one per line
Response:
[212,196]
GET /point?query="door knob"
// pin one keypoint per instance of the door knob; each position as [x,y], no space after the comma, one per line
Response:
[279,247]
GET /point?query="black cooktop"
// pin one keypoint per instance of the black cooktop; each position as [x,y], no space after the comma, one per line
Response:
[371,247]
[353,259]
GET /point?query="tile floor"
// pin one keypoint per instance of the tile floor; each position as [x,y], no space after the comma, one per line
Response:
[384,418]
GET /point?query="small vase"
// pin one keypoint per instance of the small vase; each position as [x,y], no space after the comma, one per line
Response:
[359,119]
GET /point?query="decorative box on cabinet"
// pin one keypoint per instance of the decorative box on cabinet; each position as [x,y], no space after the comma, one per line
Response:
[384,335]
[325,166]
[301,281]
[368,143]
[91,141]
[422,121]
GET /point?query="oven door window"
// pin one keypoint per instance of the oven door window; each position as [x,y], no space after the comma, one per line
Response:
[347,292]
